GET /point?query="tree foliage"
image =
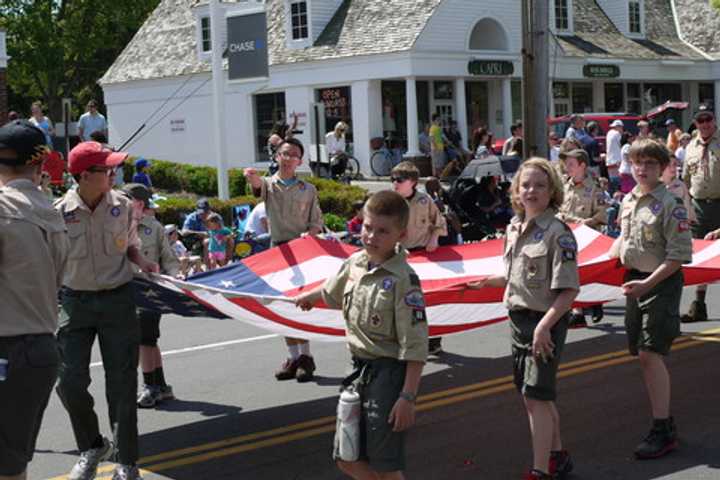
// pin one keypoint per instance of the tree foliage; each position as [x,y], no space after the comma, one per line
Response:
[715,3]
[61,48]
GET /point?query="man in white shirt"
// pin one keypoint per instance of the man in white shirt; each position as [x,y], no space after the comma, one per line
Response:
[613,153]
[257,226]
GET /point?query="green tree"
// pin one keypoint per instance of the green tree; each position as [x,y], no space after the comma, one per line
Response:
[715,3]
[61,48]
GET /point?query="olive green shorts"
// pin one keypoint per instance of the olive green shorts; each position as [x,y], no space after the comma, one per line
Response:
[708,217]
[652,322]
[380,386]
[535,378]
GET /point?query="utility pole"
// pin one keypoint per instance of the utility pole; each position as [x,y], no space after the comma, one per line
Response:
[218,83]
[536,69]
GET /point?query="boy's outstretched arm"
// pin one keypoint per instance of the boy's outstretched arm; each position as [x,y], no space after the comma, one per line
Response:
[305,301]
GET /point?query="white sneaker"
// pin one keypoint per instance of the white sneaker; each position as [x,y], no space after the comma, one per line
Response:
[87,464]
[126,472]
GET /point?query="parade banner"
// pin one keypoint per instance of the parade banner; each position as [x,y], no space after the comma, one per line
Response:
[259,289]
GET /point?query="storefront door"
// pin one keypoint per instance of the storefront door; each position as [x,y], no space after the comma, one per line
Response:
[477,105]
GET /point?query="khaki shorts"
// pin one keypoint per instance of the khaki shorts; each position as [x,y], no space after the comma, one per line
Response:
[535,378]
[652,322]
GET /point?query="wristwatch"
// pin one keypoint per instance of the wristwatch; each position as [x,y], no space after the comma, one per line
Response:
[410,397]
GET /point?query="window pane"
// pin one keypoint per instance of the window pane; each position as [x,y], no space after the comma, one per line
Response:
[582,97]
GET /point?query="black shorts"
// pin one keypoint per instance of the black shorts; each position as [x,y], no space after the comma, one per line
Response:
[149,327]
[32,368]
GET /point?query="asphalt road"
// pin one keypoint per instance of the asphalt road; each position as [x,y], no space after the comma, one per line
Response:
[232,420]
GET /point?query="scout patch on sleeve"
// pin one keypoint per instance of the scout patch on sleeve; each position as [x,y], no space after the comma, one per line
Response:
[568,255]
[679,213]
[414,280]
[419,316]
[683,226]
[567,242]
[115,212]
[423,200]
[414,299]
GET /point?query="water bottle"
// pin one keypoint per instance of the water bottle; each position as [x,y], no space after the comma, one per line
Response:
[347,435]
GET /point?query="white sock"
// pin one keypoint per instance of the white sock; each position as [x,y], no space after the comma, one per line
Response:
[304,348]
[294,351]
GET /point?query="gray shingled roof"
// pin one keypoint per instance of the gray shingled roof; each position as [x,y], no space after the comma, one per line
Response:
[700,25]
[165,45]
[597,36]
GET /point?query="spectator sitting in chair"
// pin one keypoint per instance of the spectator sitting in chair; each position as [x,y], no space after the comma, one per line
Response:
[194,226]
[257,226]
[335,144]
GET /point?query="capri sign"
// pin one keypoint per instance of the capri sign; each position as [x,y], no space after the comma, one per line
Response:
[490,68]
[601,71]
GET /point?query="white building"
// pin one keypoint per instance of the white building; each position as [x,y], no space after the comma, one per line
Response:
[384,66]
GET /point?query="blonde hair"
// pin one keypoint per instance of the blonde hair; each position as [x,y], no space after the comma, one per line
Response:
[554,184]
[340,126]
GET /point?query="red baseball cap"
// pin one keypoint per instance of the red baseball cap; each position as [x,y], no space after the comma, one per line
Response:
[90,154]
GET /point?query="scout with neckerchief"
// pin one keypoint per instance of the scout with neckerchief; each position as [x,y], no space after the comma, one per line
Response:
[386,328]
[541,282]
[701,174]
[584,203]
[33,252]
[97,301]
[654,242]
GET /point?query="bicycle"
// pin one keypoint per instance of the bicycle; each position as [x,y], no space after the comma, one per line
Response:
[382,159]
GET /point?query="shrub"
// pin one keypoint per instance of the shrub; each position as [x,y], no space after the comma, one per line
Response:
[175,208]
[336,223]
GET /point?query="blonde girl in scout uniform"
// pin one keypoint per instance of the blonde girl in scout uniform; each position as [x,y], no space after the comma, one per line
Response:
[293,210]
[386,328]
[541,281]
[33,253]
[426,224]
[584,203]
[655,241]
[97,301]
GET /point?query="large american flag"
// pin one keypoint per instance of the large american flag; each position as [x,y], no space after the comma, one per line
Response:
[258,289]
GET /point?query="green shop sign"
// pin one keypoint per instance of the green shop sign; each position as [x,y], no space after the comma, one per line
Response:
[490,67]
[601,71]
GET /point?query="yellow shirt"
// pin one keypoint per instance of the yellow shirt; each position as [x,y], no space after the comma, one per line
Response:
[33,253]
[655,228]
[383,307]
[291,210]
[99,241]
[538,262]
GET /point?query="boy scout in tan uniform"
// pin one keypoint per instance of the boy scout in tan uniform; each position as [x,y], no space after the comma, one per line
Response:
[293,209]
[155,247]
[701,174]
[655,241]
[33,252]
[386,329]
[97,301]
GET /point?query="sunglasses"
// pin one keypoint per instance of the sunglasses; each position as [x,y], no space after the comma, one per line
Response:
[705,119]
[398,179]
[107,171]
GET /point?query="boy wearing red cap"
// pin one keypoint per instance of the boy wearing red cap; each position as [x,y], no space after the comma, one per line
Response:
[32,231]
[97,301]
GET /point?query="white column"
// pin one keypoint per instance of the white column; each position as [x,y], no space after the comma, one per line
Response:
[366,101]
[691,94]
[507,106]
[717,97]
[218,76]
[412,118]
[599,96]
[461,111]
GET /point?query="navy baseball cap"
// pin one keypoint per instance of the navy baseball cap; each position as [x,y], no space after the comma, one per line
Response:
[669,122]
[704,109]
[26,140]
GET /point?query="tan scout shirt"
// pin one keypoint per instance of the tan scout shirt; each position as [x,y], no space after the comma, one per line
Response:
[584,200]
[425,219]
[702,175]
[678,188]
[383,307]
[538,262]
[33,252]
[155,247]
[654,228]
[99,240]
[292,210]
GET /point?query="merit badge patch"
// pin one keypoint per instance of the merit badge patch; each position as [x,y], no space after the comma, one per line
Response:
[414,299]
[388,283]
[567,242]
[375,320]
[683,226]
[538,235]
[679,213]
[656,207]
[532,269]
[121,242]
[419,316]
[568,255]
[115,212]
[423,200]
[148,230]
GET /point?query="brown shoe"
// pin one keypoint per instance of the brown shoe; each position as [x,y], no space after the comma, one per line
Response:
[305,368]
[696,313]
[288,369]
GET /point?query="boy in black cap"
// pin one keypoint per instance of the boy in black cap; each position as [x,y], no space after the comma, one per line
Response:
[32,230]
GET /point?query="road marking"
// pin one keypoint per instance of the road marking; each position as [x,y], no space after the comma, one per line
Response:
[319,426]
[207,346]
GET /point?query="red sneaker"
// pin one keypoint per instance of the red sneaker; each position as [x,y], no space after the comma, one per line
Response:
[535,474]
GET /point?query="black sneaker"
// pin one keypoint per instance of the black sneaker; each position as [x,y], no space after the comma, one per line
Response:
[696,313]
[560,464]
[577,320]
[435,346]
[305,368]
[661,440]
[287,370]
[597,313]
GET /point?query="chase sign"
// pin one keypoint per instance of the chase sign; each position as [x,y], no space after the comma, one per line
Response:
[247,46]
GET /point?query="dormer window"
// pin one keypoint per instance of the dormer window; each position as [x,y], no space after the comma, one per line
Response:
[205,35]
[635,17]
[562,15]
[299,20]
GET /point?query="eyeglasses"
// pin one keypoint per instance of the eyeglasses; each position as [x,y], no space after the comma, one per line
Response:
[289,156]
[107,171]
[398,179]
[646,164]
[705,119]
